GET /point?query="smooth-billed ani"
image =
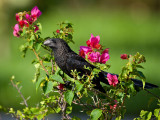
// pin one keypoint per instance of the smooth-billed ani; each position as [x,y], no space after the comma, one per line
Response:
[68,60]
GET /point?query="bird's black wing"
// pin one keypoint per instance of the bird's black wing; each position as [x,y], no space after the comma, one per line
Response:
[74,61]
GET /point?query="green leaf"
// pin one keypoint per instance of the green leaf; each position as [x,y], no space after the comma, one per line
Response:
[157,112]
[139,66]
[68,95]
[39,82]
[79,86]
[118,118]
[11,110]
[23,49]
[130,67]
[48,87]
[146,115]
[39,26]
[37,65]
[40,117]
[37,46]
[95,114]
[141,75]
[58,78]
[58,109]
[69,110]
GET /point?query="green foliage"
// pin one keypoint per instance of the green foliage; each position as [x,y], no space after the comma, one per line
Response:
[68,95]
[57,78]
[60,92]
[95,114]
[147,115]
[48,86]
[65,31]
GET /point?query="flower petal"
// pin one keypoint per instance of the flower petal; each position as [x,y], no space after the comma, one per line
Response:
[16,30]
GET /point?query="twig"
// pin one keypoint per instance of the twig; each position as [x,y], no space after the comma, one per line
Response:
[40,61]
[52,63]
[63,105]
[124,96]
[94,90]
[52,66]
[82,104]
[18,89]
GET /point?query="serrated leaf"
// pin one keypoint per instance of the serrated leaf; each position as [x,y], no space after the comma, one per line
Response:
[39,82]
[95,114]
[68,95]
[48,87]
[58,79]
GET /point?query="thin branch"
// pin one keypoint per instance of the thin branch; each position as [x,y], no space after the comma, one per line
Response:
[63,105]
[52,64]
[124,96]
[40,61]
[18,89]
[95,90]
[82,104]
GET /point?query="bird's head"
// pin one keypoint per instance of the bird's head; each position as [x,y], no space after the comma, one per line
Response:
[56,43]
[51,42]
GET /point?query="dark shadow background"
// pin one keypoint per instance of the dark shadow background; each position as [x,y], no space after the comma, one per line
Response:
[126,26]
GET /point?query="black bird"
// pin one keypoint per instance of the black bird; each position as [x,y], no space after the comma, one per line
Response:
[68,60]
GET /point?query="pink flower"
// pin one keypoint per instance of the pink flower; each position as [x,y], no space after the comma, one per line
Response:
[60,86]
[94,42]
[94,56]
[113,107]
[17,17]
[29,19]
[124,56]
[104,58]
[21,23]
[84,51]
[112,79]
[26,23]
[36,28]
[106,50]
[16,30]
[35,13]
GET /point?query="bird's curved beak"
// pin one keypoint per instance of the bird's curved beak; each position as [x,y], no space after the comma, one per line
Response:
[47,42]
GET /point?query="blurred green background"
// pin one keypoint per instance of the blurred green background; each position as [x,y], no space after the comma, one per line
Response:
[126,26]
